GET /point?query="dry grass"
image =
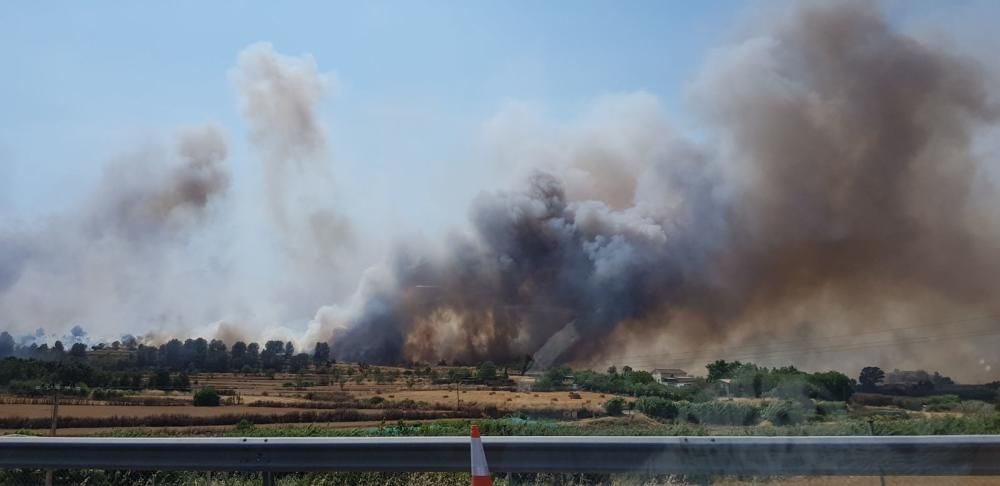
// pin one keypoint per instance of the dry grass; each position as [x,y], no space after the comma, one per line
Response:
[87,411]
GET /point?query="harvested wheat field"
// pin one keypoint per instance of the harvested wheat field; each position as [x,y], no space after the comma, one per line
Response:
[92,411]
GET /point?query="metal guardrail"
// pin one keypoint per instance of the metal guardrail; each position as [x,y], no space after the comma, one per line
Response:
[914,455]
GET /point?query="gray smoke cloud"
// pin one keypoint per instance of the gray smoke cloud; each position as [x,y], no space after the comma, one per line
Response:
[121,255]
[279,97]
[843,174]
[839,176]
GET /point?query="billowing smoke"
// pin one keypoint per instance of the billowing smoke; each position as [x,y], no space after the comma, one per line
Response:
[280,98]
[121,255]
[838,168]
[842,174]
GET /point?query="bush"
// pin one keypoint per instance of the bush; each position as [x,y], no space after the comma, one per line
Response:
[614,406]
[872,399]
[831,409]
[105,394]
[657,407]
[785,412]
[974,407]
[720,413]
[245,426]
[206,397]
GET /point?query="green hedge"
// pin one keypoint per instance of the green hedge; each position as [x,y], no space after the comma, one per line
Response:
[720,413]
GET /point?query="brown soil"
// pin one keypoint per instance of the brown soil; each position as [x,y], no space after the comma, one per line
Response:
[43,411]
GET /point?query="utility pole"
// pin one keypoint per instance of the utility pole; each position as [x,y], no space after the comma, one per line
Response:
[52,431]
[55,410]
[55,415]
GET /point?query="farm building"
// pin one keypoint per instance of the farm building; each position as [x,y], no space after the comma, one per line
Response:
[671,376]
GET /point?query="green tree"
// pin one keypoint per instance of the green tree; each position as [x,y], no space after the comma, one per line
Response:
[721,368]
[487,371]
[206,397]
[238,354]
[832,385]
[181,382]
[160,379]
[321,354]
[657,407]
[273,354]
[614,406]
[78,350]
[298,362]
[870,377]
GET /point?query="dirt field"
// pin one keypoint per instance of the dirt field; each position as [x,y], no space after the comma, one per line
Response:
[45,411]
[210,429]
[261,388]
[306,390]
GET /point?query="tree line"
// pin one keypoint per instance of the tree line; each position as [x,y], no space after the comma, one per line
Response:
[190,355]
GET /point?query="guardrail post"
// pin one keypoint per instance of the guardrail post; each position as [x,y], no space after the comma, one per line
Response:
[268,478]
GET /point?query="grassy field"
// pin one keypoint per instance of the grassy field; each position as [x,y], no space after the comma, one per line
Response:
[313,405]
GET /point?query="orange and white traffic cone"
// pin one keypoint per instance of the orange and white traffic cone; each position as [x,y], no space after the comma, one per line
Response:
[480,471]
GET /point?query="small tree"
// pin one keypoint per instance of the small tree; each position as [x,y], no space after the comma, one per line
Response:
[657,407]
[321,354]
[206,397]
[487,372]
[78,350]
[721,368]
[870,377]
[614,406]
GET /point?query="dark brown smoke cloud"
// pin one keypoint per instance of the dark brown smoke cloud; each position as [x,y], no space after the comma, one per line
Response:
[839,168]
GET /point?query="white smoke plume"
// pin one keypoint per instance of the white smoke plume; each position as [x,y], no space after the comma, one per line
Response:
[280,99]
[122,256]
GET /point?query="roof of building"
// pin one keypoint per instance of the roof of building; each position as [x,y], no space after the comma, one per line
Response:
[670,371]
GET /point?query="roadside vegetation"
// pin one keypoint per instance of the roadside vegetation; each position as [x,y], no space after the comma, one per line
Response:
[273,384]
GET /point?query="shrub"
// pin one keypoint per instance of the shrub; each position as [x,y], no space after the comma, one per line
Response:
[941,400]
[906,403]
[104,394]
[206,397]
[974,407]
[785,412]
[614,406]
[245,426]
[720,413]
[872,399]
[574,396]
[831,409]
[657,407]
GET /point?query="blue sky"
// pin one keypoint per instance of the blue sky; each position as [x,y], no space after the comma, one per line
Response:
[414,80]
